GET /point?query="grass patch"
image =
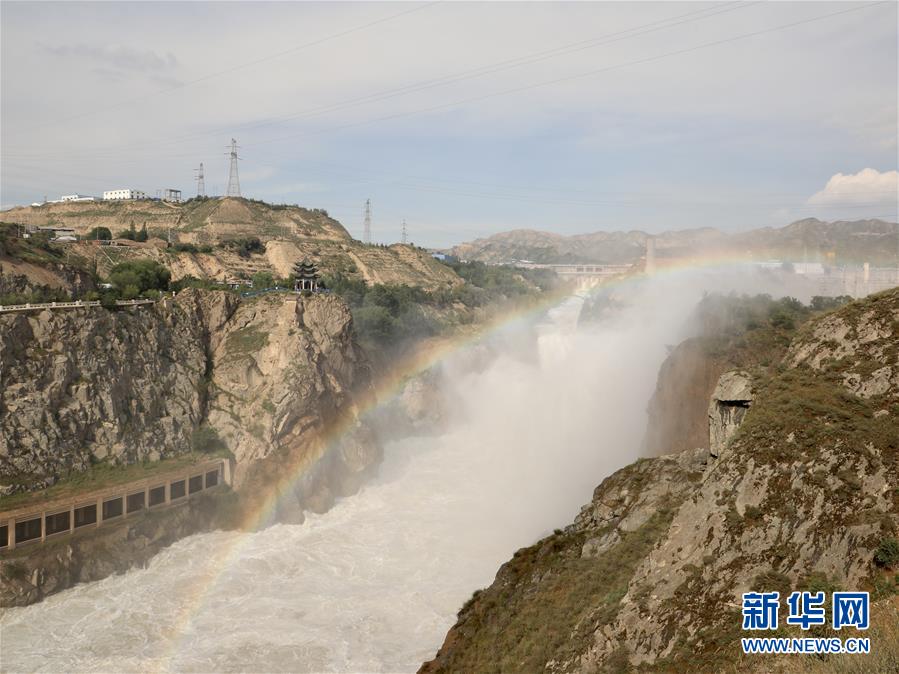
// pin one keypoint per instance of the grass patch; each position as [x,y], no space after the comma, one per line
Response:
[550,600]
[246,340]
[103,475]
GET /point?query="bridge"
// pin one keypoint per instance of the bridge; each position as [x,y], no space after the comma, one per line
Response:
[586,274]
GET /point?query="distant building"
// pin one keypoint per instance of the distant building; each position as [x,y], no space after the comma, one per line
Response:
[77,197]
[61,234]
[171,195]
[444,257]
[810,268]
[121,195]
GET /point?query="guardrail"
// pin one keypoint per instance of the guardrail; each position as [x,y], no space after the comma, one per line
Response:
[40,306]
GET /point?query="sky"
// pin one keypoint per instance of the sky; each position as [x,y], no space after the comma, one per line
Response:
[464,119]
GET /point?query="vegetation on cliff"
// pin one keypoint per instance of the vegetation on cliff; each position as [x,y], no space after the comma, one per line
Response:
[387,316]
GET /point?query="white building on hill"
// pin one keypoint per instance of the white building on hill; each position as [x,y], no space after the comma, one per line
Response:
[76,197]
[111,195]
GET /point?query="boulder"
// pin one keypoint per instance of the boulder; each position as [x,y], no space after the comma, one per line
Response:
[731,399]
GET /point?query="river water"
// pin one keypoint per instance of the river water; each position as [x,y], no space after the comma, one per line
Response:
[374,584]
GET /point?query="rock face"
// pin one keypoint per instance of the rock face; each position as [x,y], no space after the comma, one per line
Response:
[651,572]
[728,406]
[678,410]
[91,385]
[23,278]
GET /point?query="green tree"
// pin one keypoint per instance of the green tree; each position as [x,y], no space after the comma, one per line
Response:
[102,233]
[129,233]
[263,279]
[374,323]
[140,275]
[142,235]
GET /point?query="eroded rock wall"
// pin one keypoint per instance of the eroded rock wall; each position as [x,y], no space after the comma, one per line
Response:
[92,385]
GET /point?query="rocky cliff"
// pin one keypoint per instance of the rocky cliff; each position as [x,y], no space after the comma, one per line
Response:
[649,575]
[204,368]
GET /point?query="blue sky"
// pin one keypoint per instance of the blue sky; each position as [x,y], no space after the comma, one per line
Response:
[464,118]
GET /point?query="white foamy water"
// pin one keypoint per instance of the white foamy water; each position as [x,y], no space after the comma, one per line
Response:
[374,584]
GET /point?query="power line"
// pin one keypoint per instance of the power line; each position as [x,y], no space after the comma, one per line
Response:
[236,68]
[499,66]
[608,68]
[571,78]
[635,31]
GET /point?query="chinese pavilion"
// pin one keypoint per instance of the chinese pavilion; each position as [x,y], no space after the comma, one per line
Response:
[306,275]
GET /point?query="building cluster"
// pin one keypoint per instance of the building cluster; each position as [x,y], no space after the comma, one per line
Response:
[128,194]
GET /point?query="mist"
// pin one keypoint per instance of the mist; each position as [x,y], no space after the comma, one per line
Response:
[374,583]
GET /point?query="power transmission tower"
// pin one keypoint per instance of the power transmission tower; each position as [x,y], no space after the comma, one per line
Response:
[201,181]
[405,234]
[366,222]
[233,180]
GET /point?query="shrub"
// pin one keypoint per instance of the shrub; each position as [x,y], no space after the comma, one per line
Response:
[244,247]
[887,553]
[206,440]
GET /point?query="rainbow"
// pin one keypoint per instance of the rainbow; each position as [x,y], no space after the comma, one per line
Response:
[379,394]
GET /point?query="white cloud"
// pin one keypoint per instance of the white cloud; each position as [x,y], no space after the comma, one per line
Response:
[867,187]
[116,56]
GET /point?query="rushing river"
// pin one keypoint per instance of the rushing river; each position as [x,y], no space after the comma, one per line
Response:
[374,584]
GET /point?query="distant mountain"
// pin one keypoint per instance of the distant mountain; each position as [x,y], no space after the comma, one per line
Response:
[841,242]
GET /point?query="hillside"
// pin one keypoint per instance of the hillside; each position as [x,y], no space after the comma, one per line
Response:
[207,235]
[796,488]
[841,242]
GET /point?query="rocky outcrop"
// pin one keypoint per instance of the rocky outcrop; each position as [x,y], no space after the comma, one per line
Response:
[651,572]
[728,406]
[90,385]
